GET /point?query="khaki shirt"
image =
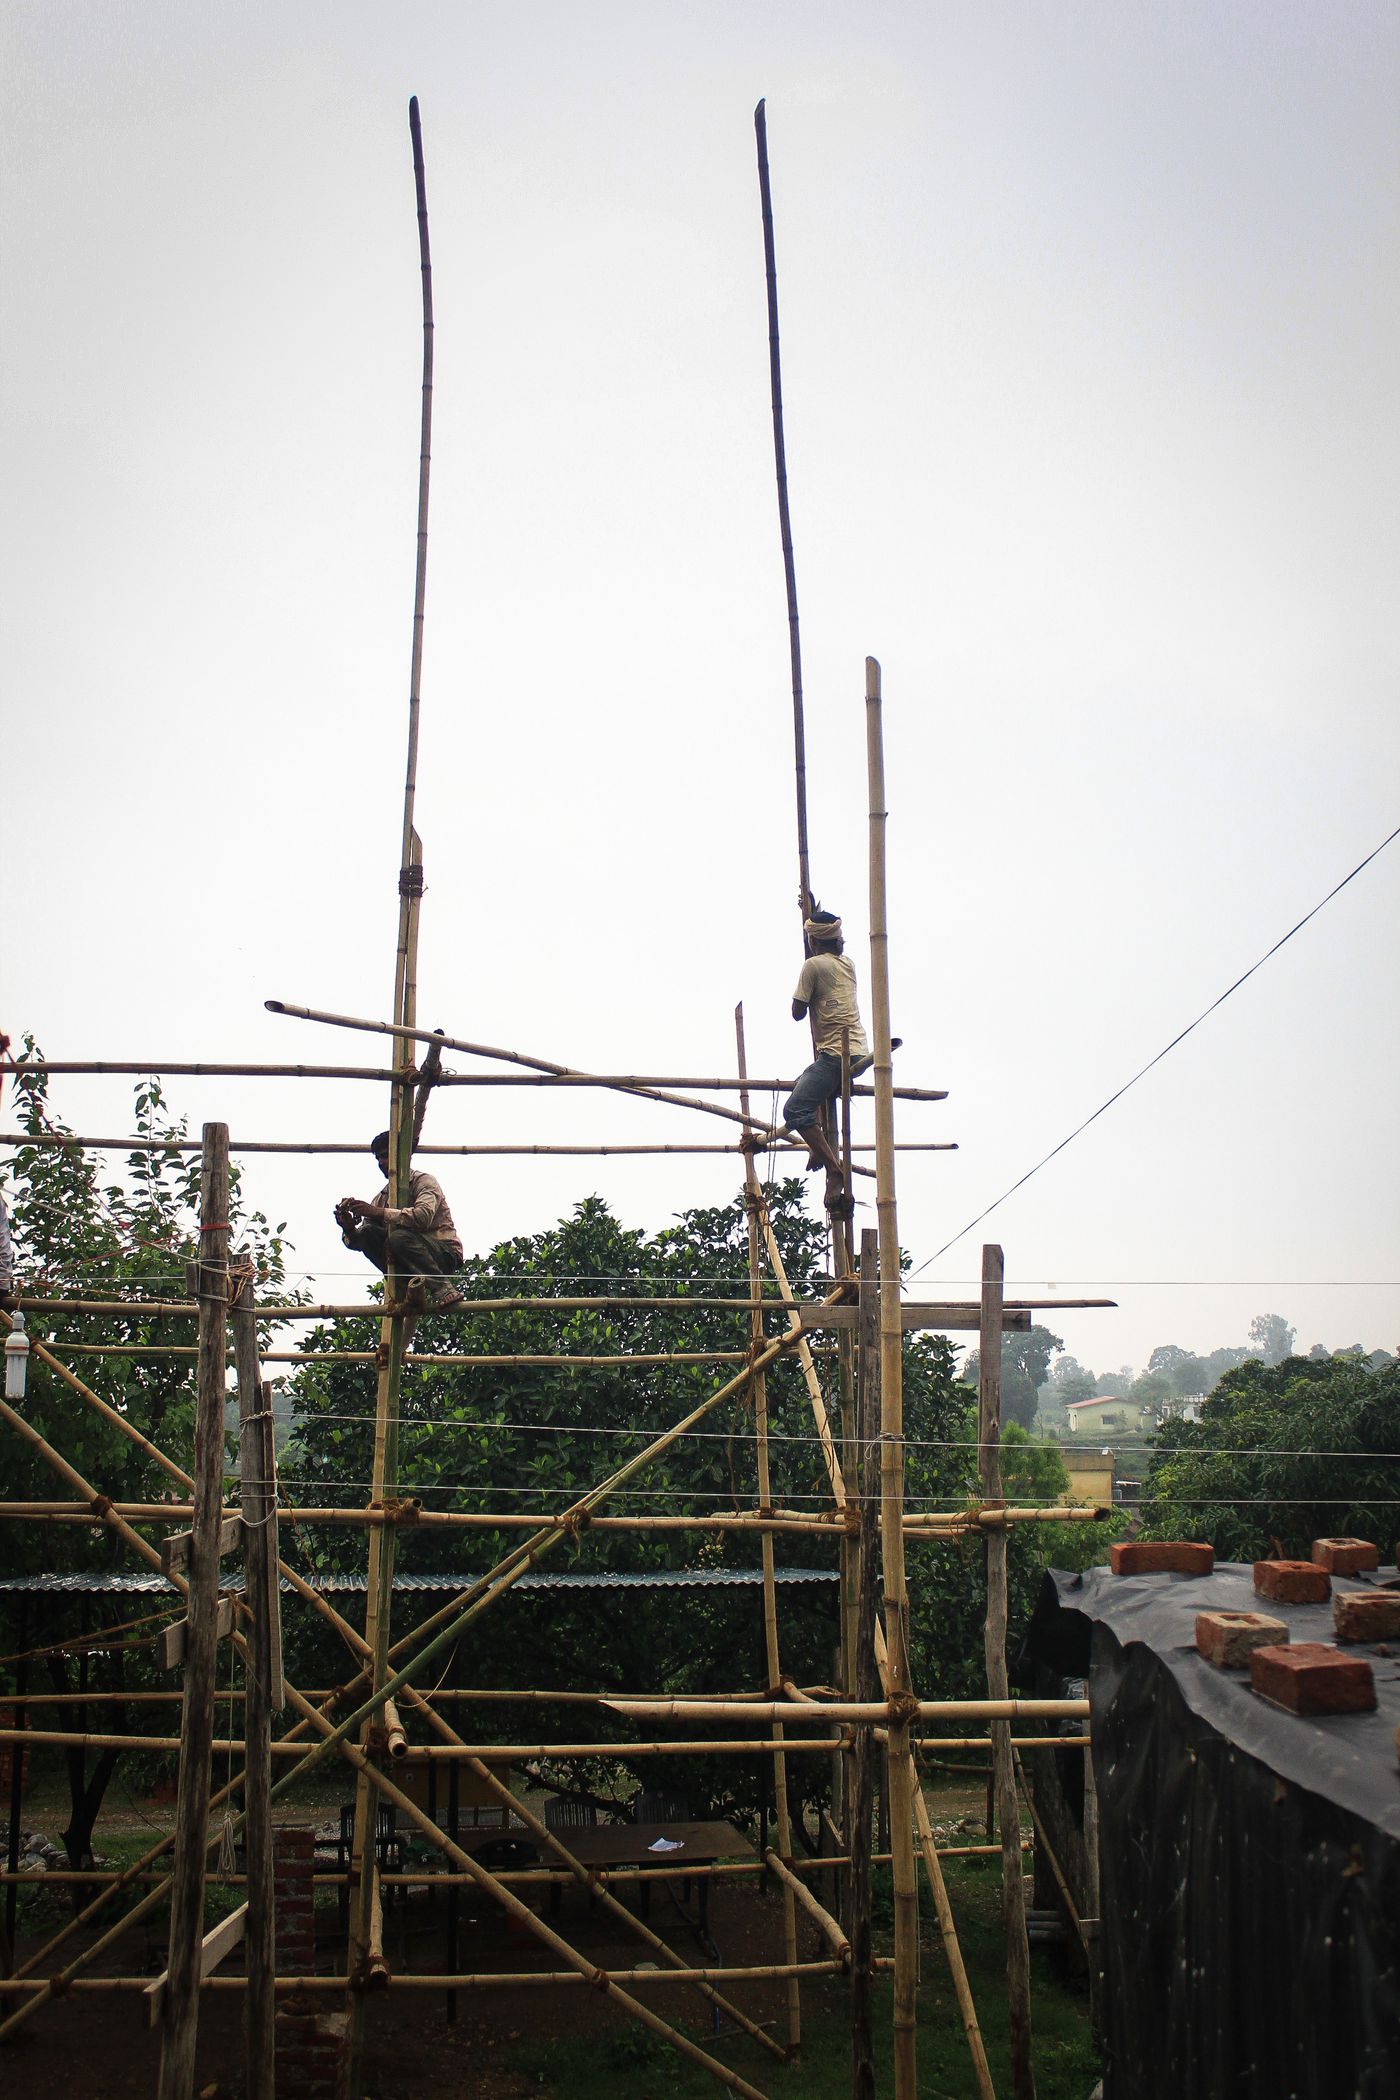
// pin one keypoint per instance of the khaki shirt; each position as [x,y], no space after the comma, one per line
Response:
[827,988]
[425,1211]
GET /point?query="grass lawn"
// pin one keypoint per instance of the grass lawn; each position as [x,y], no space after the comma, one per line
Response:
[1066,2063]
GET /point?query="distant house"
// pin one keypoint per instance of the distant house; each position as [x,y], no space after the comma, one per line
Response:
[1109,1411]
[1184,1410]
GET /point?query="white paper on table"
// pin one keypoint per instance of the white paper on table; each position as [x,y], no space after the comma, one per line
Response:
[667,1845]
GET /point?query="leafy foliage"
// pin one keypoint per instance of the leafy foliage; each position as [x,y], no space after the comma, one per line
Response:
[1283,1454]
[77,1236]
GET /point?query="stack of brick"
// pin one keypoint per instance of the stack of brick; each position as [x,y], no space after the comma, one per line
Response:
[312,2045]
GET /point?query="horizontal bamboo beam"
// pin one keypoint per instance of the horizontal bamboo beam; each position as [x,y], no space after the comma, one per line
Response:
[936,1524]
[184,1308]
[519,1979]
[639,1361]
[312,1148]
[428,1753]
[563,1877]
[173,1068]
[876,1713]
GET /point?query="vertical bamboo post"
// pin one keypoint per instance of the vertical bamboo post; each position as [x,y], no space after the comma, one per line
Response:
[1013,1897]
[17,1757]
[906,1887]
[850,1453]
[259,1580]
[759,1392]
[862,1801]
[180,2015]
[394,1333]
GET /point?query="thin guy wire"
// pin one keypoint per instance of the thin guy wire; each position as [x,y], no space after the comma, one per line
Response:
[1106,1105]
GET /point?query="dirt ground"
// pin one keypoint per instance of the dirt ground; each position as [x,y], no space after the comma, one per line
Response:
[90,2045]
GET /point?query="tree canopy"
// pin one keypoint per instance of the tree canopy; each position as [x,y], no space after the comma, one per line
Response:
[1283,1454]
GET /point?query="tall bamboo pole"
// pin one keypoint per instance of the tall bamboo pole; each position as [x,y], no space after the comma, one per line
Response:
[758,1393]
[775,385]
[906,1888]
[180,2017]
[1013,1898]
[394,1336]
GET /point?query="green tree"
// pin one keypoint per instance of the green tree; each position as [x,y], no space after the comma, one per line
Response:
[1271,1338]
[1025,1364]
[1184,1371]
[1151,1389]
[1283,1454]
[1068,1381]
[78,1236]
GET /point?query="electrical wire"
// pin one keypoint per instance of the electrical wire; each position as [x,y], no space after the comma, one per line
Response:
[1103,1107]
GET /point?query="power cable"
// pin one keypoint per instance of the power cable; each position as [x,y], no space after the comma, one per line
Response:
[1122,1090]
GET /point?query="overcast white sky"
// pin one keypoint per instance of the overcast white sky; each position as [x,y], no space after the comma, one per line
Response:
[1091,324]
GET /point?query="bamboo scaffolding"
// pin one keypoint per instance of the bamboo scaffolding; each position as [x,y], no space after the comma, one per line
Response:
[758,1397]
[595,1882]
[357,1644]
[488,1882]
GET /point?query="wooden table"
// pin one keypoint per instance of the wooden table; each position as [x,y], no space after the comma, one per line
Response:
[629,1845]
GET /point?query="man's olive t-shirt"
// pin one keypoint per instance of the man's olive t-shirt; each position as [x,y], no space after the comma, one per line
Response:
[827,988]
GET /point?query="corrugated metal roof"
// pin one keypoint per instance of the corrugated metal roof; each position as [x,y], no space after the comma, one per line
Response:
[99,1583]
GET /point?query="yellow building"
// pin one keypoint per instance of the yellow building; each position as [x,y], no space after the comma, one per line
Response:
[1091,1476]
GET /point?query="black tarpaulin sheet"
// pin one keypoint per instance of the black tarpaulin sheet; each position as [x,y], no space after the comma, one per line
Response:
[1249,1858]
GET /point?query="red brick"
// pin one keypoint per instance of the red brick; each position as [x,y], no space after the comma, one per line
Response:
[1161,1557]
[1227,1638]
[1346,1556]
[1292,1581]
[1367,1615]
[1309,1677]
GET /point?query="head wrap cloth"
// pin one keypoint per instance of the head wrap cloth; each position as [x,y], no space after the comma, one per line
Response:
[822,929]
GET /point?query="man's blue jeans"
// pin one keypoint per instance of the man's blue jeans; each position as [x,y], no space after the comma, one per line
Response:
[820,1083]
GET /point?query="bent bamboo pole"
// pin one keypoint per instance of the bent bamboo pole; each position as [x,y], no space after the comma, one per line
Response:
[538,1064]
[799,1891]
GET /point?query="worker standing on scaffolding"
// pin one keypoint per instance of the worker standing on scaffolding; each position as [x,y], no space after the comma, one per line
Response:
[826,988]
[418,1237]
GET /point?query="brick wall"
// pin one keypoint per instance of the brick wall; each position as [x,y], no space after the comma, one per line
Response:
[312,2044]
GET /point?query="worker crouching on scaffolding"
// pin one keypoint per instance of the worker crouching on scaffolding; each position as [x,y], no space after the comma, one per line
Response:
[419,1238]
